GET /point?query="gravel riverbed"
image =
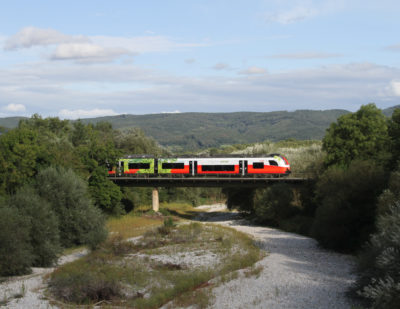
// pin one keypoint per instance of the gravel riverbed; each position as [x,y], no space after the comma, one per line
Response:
[296,273]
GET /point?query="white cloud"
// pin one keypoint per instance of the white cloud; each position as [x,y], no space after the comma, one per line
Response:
[253,71]
[221,66]
[144,44]
[86,52]
[82,113]
[88,49]
[83,90]
[15,108]
[292,11]
[395,88]
[306,55]
[32,36]
[292,15]
[174,112]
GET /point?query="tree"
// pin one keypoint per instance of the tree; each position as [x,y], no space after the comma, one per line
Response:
[19,151]
[273,204]
[43,228]
[394,133]
[134,141]
[362,135]
[106,195]
[347,205]
[80,221]
[15,248]
[379,263]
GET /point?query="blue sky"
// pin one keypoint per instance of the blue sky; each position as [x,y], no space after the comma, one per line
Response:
[78,59]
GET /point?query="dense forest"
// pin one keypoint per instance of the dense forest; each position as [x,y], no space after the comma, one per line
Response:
[54,191]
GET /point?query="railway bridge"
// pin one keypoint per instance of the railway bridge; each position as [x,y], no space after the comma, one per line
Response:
[222,181]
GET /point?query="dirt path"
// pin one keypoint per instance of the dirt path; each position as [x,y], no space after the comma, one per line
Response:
[296,272]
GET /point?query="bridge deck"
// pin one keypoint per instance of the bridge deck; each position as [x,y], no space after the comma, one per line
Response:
[206,181]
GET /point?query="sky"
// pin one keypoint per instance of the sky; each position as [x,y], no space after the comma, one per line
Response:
[80,59]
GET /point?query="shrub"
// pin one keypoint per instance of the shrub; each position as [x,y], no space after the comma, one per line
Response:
[81,222]
[274,204]
[43,232]
[94,284]
[239,198]
[379,262]
[15,249]
[346,214]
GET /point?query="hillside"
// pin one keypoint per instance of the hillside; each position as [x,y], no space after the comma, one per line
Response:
[201,130]
[188,131]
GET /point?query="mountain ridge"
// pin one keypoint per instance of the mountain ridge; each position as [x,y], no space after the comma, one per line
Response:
[192,130]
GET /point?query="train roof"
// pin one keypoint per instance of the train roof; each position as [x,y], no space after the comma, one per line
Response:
[145,156]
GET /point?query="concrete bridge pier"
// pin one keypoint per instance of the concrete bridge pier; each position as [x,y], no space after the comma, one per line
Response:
[156,202]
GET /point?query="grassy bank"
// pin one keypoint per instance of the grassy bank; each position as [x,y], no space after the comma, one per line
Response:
[168,264]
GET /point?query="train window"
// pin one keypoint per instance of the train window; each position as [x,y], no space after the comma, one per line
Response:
[258,165]
[272,162]
[218,168]
[173,165]
[139,166]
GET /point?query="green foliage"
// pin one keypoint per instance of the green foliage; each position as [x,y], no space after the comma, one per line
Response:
[19,151]
[362,135]
[273,204]
[82,287]
[81,222]
[394,133]
[240,198]
[105,194]
[379,263]
[15,248]
[134,141]
[391,195]
[43,226]
[347,205]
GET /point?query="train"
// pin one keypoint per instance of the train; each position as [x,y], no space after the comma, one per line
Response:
[273,164]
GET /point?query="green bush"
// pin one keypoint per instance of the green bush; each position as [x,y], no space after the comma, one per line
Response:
[297,224]
[379,263]
[80,221]
[105,194]
[43,232]
[240,199]
[273,204]
[15,248]
[94,284]
[347,198]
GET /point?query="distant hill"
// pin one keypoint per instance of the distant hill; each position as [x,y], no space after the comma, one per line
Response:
[389,111]
[187,131]
[192,131]
[10,122]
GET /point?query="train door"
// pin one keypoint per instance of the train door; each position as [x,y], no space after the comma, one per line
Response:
[191,168]
[240,167]
[195,168]
[121,167]
[245,167]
